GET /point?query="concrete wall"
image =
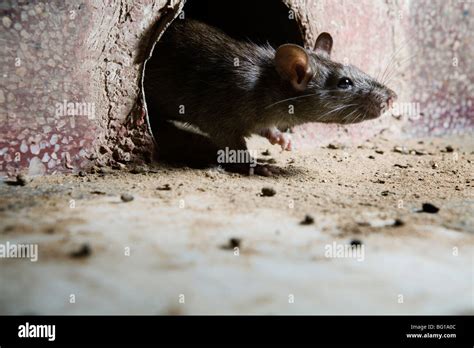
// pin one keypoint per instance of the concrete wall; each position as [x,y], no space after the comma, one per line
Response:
[88,56]
[442,73]
[422,48]
[92,53]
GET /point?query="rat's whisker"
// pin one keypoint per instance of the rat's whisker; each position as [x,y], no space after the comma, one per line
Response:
[396,69]
[319,92]
[290,99]
[347,116]
[324,116]
[365,116]
[394,55]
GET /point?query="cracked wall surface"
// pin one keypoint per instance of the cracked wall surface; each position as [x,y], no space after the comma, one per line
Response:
[69,95]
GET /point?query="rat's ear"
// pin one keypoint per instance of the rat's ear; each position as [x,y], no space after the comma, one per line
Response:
[324,43]
[292,63]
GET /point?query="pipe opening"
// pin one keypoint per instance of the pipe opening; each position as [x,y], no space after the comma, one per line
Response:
[264,21]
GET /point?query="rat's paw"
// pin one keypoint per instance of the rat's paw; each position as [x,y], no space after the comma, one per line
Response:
[274,136]
[285,142]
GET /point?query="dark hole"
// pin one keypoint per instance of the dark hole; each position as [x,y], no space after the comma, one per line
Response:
[259,21]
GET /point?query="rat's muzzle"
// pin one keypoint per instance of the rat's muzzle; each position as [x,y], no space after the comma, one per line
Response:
[391,98]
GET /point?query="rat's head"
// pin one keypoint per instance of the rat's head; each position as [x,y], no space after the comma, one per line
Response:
[328,91]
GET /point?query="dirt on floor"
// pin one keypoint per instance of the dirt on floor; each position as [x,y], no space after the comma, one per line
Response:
[167,240]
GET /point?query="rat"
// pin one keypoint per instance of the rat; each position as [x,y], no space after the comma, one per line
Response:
[230,89]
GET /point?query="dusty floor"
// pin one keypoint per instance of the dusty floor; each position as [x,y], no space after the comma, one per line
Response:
[170,249]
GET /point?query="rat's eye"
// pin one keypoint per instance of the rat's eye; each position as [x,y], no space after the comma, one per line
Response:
[344,83]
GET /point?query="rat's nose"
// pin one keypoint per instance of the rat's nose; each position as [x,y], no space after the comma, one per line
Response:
[390,102]
[392,97]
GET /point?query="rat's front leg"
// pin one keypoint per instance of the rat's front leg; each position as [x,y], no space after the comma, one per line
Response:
[276,137]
